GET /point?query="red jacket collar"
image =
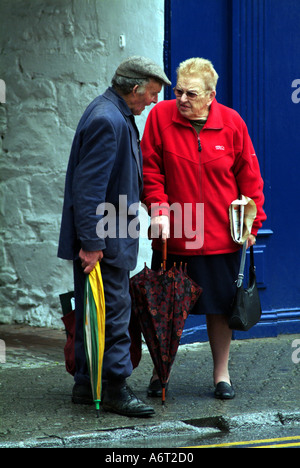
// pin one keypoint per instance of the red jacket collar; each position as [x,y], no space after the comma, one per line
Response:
[214,121]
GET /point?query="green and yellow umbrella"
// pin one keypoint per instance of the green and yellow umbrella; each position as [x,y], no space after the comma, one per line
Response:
[94,330]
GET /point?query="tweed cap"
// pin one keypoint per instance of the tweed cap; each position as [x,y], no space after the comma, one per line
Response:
[141,67]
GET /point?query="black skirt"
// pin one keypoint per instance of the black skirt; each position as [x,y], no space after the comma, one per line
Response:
[216,274]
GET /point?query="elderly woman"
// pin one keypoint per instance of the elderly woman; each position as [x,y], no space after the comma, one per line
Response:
[198,153]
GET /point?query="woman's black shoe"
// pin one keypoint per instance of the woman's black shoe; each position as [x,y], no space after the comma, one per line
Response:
[224,391]
[155,389]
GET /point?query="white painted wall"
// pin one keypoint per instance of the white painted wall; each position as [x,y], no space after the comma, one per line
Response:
[55,57]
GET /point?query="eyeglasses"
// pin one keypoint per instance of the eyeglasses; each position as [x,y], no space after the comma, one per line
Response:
[191,95]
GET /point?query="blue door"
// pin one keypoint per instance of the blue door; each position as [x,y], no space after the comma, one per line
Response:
[255,48]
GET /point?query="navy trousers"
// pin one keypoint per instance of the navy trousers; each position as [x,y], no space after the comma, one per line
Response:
[117,361]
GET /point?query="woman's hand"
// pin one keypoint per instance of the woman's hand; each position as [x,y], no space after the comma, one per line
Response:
[251,240]
[160,227]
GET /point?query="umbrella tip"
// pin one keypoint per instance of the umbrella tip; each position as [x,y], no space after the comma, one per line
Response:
[97,404]
[163,396]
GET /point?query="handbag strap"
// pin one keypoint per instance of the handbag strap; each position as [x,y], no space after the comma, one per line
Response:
[240,278]
[242,265]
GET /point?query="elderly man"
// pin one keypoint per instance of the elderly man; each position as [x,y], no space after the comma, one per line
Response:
[106,164]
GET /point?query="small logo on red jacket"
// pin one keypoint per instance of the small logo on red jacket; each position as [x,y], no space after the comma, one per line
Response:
[220,147]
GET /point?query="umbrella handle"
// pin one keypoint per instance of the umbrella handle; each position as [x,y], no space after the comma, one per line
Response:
[164,253]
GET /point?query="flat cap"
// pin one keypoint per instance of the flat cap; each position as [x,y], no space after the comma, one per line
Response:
[141,67]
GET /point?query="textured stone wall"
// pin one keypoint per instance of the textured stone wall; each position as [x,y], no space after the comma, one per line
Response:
[55,57]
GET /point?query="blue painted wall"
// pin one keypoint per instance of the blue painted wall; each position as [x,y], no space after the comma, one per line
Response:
[255,48]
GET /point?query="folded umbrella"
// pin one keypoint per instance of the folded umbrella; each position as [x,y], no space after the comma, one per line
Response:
[162,302]
[94,330]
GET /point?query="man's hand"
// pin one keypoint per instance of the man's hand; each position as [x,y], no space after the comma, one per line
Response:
[90,259]
[160,227]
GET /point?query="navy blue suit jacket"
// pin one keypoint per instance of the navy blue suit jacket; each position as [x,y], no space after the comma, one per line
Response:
[105,163]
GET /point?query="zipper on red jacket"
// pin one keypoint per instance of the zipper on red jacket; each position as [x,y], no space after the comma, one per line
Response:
[200,174]
[199,145]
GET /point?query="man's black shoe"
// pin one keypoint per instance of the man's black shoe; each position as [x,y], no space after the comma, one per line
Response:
[119,398]
[82,394]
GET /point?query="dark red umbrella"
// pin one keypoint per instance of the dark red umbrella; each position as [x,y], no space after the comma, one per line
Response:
[161,302]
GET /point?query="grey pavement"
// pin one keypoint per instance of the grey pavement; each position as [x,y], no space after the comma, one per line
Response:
[36,409]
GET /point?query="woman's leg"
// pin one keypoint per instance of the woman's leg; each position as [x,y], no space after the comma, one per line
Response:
[220,336]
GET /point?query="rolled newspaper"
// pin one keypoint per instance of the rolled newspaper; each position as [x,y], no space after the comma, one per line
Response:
[242,213]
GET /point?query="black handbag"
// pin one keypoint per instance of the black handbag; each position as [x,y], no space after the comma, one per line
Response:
[246,306]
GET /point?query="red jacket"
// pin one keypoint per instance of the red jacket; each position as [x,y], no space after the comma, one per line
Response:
[182,170]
